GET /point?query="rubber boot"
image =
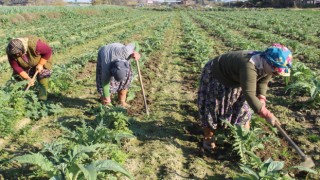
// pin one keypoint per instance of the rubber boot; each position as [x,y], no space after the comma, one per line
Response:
[208,142]
[43,89]
[122,98]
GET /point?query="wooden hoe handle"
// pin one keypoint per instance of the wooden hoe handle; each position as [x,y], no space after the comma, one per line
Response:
[291,142]
[144,96]
[33,79]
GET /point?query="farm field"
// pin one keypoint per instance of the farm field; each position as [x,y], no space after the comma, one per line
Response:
[71,136]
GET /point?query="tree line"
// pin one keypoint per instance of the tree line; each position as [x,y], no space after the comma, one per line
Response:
[284,3]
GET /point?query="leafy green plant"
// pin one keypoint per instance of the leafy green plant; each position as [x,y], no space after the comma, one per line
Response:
[246,141]
[304,80]
[62,161]
[86,134]
[15,104]
[196,48]
[113,117]
[90,133]
[269,170]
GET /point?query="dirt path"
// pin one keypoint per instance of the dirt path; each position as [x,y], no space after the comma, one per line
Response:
[163,149]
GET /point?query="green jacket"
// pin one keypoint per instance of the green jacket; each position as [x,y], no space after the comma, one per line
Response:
[234,70]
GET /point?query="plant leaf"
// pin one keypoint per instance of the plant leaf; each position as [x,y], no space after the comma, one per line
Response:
[250,171]
[80,150]
[36,159]
[55,178]
[89,171]
[102,165]
[254,158]
[275,166]
[245,177]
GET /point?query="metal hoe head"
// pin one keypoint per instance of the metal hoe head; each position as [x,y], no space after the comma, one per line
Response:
[308,162]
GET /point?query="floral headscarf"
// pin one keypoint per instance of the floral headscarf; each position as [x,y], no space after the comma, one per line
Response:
[280,58]
[17,45]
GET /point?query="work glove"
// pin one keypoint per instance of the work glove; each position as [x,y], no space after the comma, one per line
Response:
[268,116]
[272,120]
[262,99]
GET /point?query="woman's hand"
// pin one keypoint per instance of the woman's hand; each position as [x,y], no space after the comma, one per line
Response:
[42,62]
[39,68]
[135,55]
[25,76]
[31,82]
[105,100]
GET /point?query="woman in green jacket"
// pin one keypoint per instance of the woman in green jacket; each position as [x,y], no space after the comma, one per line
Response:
[234,82]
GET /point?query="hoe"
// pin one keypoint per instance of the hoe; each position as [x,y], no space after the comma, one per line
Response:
[33,79]
[308,162]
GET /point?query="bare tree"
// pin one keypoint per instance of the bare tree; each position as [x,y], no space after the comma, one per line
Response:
[278,3]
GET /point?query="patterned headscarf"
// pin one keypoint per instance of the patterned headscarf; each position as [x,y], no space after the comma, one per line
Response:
[15,46]
[280,58]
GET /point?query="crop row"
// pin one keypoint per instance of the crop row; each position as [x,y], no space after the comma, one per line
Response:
[67,31]
[306,52]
